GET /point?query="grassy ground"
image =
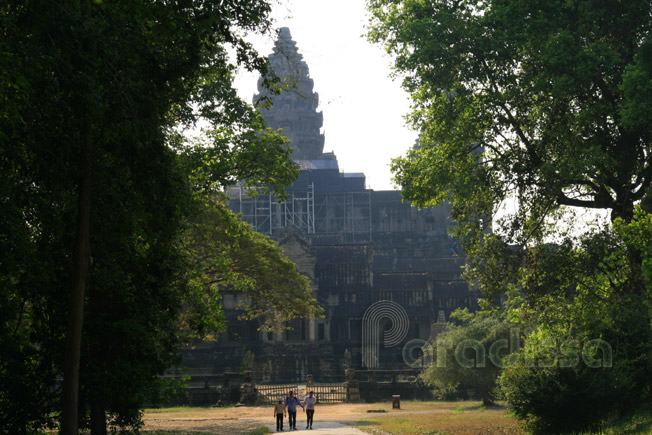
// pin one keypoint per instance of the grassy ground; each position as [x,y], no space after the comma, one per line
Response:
[638,422]
[462,420]
[414,418]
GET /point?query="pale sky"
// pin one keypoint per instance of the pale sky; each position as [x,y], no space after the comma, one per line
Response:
[363,108]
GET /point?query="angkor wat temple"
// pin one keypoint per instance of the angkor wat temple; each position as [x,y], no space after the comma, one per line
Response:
[358,246]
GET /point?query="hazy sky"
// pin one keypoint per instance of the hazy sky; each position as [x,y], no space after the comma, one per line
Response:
[363,108]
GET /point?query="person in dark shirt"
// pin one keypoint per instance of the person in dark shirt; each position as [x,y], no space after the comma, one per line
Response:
[291,405]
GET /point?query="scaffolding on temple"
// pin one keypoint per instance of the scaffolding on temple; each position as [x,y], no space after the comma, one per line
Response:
[346,215]
[268,215]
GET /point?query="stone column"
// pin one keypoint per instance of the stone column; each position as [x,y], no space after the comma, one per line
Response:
[312,326]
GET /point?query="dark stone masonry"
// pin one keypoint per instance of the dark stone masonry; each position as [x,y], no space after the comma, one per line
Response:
[358,247]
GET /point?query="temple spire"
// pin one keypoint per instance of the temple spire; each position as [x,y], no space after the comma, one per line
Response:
[295,111]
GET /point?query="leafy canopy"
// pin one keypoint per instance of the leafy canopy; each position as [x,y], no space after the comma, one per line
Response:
[229,256]
[110,84]
[546,102]
[470,354]
[542,105]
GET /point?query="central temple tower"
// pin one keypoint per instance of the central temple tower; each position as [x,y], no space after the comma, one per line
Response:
[295,110]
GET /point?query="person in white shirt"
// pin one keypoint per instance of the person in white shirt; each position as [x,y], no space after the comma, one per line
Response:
[310,402]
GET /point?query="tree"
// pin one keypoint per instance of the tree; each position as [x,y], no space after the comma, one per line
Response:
[229,255]
[471,354]
[94,93]
[586,360]
[543,101]
[544,106]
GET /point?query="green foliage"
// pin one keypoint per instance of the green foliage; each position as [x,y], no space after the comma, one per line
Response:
[589,356]
[230,256]
[551,397]
[115,81]
[470,355]
[544,102]
[585,327]
[637,237]
[571,387]
[135,286]
[540,105]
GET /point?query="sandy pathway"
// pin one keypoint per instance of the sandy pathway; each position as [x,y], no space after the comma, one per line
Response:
[322,428]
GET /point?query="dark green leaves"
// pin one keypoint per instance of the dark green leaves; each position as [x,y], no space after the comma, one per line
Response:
[541,86]
[528,108]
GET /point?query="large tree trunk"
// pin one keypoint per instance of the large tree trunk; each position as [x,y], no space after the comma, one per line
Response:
[98,417]
[80,260]
[623,208]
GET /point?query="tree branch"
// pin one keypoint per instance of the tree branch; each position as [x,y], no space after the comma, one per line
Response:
[597,203]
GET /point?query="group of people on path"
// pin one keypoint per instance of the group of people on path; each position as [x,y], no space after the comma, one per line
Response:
[289,408]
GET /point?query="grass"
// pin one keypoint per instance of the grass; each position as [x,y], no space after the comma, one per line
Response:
[176,409]
[175,432]
[258,431]
[638,422]
[462,421]
[414,418]
[416,405]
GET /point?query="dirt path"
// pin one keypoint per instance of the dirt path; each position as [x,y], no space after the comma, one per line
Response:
[323,428]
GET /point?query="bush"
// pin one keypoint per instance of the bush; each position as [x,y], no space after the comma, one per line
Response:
[465,356]
[552,393]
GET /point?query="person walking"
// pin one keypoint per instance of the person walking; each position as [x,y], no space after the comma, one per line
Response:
[279,411]
[310,402]
[291,406]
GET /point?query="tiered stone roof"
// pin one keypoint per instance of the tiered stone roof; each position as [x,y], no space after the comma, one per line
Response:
[295,110]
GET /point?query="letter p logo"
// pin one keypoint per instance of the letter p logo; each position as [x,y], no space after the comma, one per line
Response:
[371,329]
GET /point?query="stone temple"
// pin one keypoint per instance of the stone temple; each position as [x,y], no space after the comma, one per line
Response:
[385,272]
